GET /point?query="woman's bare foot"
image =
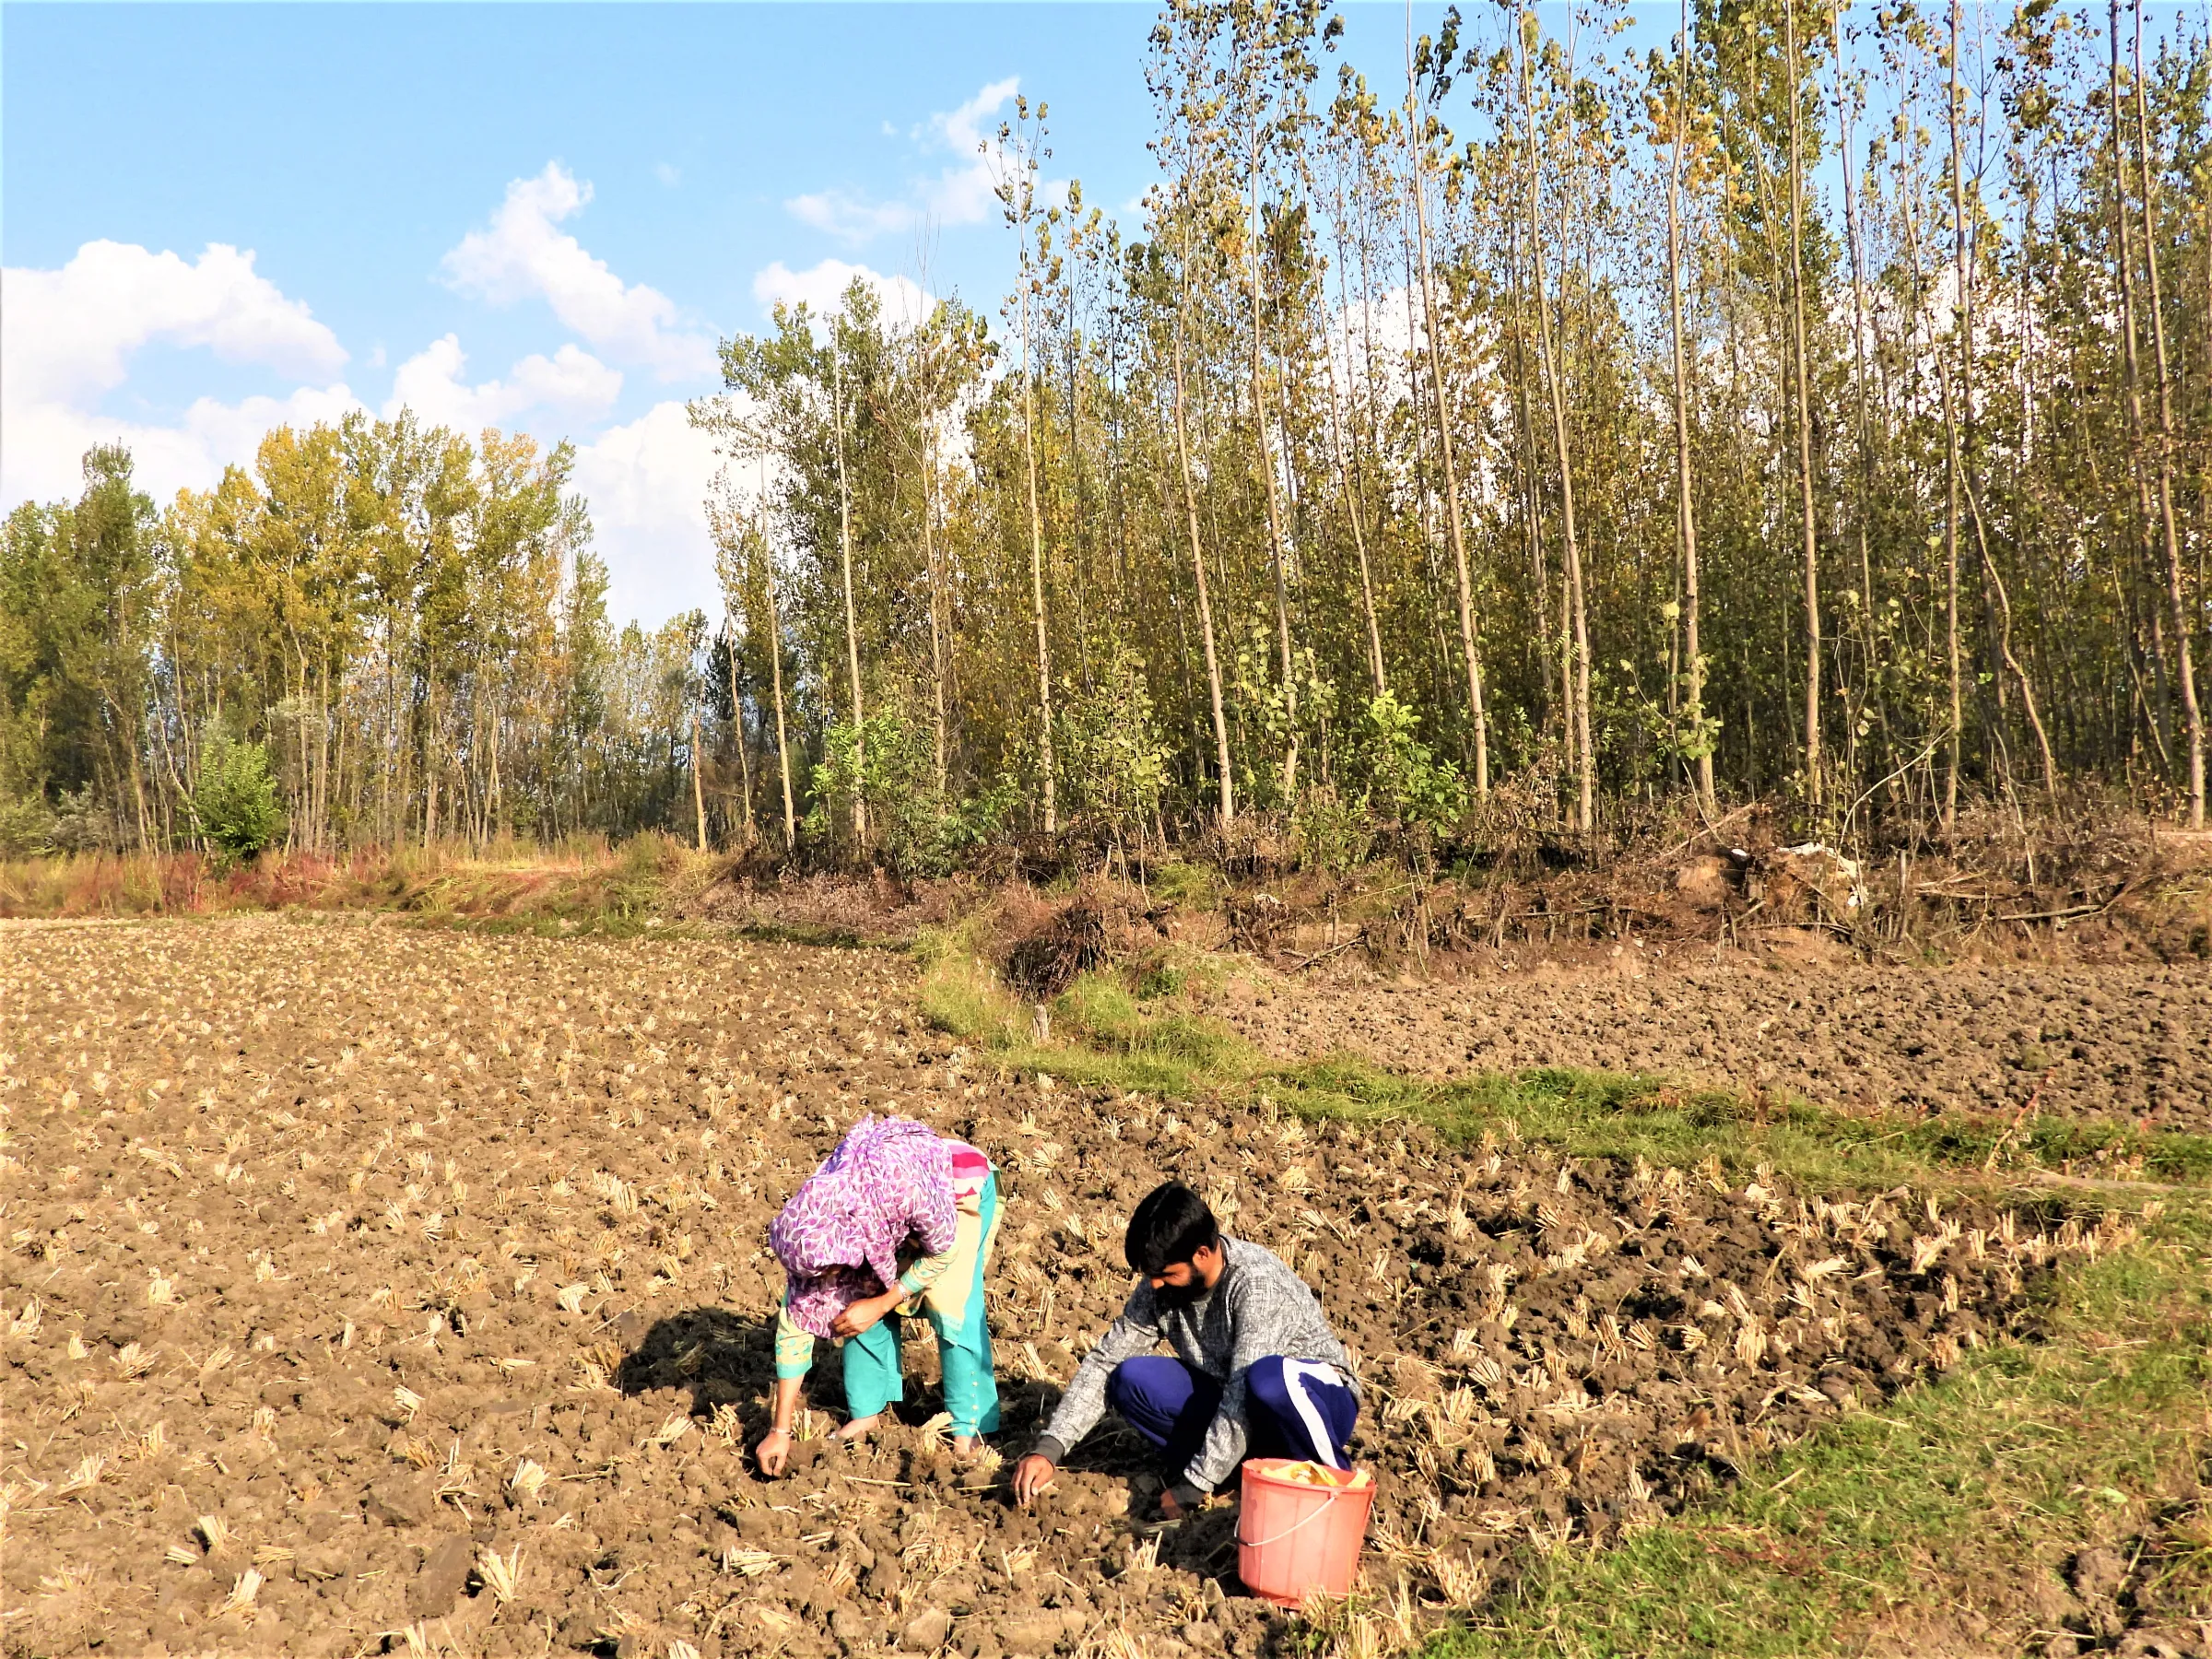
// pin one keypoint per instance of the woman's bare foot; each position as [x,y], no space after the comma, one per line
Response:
[859,1428]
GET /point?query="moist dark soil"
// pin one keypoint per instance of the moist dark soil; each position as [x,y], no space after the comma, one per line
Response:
[361,1277]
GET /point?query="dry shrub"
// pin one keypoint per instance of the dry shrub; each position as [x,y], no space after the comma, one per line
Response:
[873,904]
[1258,920]
[1257,847]
[1051,950]
[1044,943]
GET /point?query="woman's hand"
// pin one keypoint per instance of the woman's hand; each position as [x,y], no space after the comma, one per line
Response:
[865,1313]
[774,1452]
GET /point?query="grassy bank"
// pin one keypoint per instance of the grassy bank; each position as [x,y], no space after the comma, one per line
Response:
[1951,1520]
[1148,1031]
[581,884]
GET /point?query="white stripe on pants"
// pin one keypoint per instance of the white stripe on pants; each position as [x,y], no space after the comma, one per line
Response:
[1295,1373]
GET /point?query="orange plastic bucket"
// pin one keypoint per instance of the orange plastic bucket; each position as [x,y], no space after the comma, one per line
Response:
[1297,1537]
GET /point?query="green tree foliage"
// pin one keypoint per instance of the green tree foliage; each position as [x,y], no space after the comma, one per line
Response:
[1815,403]
[412,628]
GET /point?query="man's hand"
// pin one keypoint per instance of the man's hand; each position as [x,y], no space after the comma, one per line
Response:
[1032,1474]
[1179,1500]
[774,1452]
[864,1315]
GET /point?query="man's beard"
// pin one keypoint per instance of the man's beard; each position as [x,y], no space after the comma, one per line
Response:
[1179,1296]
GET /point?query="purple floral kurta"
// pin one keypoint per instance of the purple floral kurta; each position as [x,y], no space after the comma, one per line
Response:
[890,1181]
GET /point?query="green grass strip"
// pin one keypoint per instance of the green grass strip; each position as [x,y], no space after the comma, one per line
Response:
[1945,1517]
[1599,1114]
[1107,1034]
[1935,1523]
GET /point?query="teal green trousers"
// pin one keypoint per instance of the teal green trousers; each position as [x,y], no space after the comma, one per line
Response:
[954,1307]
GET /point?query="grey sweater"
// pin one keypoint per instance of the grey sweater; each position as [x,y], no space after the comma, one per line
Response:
[1258,1308]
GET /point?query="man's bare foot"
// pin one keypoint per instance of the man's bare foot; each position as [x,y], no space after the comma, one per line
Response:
[860,1428]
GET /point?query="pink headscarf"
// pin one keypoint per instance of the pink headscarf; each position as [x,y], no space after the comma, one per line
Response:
[890,1181]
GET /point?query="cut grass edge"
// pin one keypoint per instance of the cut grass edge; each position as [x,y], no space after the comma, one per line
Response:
[1942,1521]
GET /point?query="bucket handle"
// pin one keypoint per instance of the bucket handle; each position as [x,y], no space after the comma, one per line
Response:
[1313,1514]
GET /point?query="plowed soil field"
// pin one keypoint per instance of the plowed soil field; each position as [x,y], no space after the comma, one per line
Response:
[2131,1041]
[369,1287]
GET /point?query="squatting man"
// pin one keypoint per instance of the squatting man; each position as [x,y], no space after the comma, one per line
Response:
[1255,1372]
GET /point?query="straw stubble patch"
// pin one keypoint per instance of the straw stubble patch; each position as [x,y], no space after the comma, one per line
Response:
[463,1318]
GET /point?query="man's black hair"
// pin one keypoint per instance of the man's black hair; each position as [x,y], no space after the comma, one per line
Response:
[1170,1224]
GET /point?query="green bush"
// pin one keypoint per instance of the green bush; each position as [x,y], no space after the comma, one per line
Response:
[1406,780]
[918,831]
[1113,755]
[1193,887]
[25,828]
[235,803]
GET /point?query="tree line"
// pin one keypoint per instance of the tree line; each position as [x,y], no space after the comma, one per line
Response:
[1816,404]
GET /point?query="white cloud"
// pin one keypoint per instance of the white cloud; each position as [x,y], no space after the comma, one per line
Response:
[67,337]
[524,256]
[668,173]
[430,383]
[848,217]
[647,484]
[961,195]
[69,334]
[46,443]
[822,290]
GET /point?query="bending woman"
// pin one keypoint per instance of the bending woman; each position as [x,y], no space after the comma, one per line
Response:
[898,1220]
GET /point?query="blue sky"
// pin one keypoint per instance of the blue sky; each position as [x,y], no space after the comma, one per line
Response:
[365,155]
[219,218]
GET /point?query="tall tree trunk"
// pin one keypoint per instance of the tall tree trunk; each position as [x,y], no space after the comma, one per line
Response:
[2192,716]
[134,729]
[844,542]
[1470,654]
[1044,661]
[492,784]
[1532,511]
[1206,608]
[1577,617]
[1288,668]
[775,681]
[1951,449]
[2131,363]
[1858,362]
[698,790]
[1813,763]
[936,633]
[1685,497]
[324,837]
[744,754]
